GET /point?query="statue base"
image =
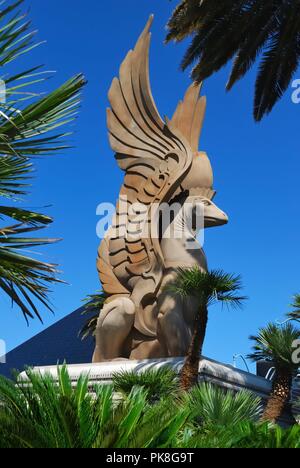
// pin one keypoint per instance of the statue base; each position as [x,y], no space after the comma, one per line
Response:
[211,371]
[225,376]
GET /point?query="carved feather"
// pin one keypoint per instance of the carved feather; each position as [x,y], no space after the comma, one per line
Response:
[189,116]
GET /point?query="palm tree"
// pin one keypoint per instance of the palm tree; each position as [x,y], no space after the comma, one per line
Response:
[208,288]
[29,127]
[295,314]
[275,345]
[241,30]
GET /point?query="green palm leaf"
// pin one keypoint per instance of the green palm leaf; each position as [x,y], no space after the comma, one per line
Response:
[14,172]
[157,384]
[93,305]
[43,413]
[211,406]
[40,413]
[211,287]
[25,216]
[30,125]
[24,278]
[275,344]
[295,314]
[241,30]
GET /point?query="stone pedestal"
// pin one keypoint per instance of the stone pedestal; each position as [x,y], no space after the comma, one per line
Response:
[222,375]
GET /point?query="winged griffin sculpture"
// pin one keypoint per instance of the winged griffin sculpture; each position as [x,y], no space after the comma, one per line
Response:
[141,318]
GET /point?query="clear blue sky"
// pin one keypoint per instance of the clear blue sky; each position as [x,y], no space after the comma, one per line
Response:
[256,168]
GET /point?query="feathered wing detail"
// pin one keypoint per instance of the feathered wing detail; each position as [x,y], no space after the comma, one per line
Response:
[155,156]
[189,116]
[136,130]
[110,283]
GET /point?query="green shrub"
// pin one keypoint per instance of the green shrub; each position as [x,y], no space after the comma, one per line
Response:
[210,404]
[45,414]
[158,383]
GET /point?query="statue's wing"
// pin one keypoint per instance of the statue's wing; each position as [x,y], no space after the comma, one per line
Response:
[156,156]
[189,116]
[135,126]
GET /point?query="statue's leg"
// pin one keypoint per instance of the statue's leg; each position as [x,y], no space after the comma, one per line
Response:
[173,331]
[115,323]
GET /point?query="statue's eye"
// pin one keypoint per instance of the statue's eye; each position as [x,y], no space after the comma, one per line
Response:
[205,202]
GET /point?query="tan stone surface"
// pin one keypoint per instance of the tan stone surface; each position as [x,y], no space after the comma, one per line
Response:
[161,162]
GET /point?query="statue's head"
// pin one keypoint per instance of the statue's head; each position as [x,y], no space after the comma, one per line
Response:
[200,205]
[198,182]
[198,209]
[197,186]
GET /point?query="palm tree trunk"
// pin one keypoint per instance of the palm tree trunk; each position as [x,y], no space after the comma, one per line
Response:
[280,396]
[190,370]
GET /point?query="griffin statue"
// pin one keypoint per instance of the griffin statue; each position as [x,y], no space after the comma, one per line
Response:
[138,258]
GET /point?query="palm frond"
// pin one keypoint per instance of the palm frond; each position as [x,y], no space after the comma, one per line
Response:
[212,406]
[21,134]
[43,413]
[256,36]
[246,434]
[279,63]
[158,384]
[25,216]
[241,30]
[184,19]
[275,344]
[30,125]
[208,287]
[295,314]
[24,278]
[93,306]
[40,413]
[14,173]
[208,46]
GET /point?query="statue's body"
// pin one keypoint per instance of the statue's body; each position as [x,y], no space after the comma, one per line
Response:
[163,168]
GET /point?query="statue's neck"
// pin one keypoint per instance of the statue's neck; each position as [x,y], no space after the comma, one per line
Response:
[180,246]
[179,229]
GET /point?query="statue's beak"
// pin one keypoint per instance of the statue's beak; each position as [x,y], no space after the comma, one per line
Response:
[219,220]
